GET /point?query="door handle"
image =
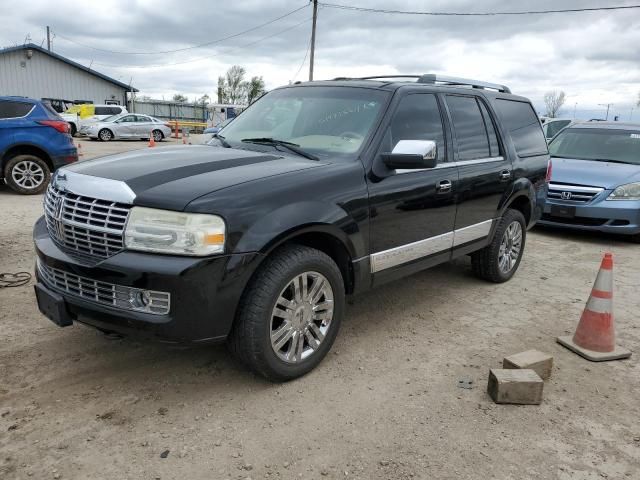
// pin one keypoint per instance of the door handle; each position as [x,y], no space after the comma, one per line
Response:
[505,175]
[444,186]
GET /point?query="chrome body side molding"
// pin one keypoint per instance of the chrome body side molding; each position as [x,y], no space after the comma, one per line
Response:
[429,246]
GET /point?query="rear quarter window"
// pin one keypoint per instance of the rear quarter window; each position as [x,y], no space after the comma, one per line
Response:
[11,109]
[521,121]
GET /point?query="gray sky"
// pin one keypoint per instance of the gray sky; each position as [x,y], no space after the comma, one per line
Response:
[594,57]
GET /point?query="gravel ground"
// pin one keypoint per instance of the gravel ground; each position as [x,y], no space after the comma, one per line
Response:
[383,405]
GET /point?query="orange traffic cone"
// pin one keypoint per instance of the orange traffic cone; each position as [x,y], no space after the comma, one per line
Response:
[595,337]
[152,142]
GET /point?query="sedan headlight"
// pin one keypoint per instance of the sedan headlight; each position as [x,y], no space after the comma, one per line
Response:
[629,191]
[163,231]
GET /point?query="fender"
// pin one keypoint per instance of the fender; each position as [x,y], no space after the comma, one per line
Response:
[297,218]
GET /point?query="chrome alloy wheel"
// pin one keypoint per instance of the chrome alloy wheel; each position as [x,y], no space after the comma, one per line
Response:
[301,317]
[28,174]
[510,247]
[105,135]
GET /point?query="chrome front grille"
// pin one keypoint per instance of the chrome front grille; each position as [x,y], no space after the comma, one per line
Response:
[104,293]
[573,194]
[88,226]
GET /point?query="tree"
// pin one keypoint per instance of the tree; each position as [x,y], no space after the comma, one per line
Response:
[204,99]
[554,100]
[222,88]
[255,88]
[235,86]
[178,97]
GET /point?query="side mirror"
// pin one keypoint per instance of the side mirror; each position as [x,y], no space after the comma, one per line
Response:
[412,154]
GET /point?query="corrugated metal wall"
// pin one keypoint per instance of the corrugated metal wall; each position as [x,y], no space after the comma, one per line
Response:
[171,110]
[42,76]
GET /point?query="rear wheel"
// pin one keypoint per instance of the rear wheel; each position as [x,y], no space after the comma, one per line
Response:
[73,129]
[105,135]
[499,260]
[27,174]
[290,314]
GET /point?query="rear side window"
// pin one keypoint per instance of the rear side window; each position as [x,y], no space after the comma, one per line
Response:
[11,109]
[115,110]
[523,125]
[107,110]
[469,125]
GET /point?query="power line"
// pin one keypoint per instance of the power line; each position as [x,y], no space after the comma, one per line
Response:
[239,47]
[306,53]
[472,14]
[212,42]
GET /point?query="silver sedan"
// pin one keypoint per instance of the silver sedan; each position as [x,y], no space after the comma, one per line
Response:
[127,125]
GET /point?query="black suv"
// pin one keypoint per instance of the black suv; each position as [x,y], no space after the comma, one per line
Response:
[317,191]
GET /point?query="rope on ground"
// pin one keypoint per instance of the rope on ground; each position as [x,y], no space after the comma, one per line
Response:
[14,279]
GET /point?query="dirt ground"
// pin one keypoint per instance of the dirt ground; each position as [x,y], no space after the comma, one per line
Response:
[385,403]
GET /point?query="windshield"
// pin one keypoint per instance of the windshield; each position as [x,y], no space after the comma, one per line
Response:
[600,144]
[111,118]
[320,120]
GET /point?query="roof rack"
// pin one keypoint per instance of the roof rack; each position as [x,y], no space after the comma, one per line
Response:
[432,78]
[442,79]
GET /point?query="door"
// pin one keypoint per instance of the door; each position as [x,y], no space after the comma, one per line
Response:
[412,211]
[143,126]
[485,174]
[126,127]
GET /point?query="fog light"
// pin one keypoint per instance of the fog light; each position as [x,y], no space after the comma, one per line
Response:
[139,298]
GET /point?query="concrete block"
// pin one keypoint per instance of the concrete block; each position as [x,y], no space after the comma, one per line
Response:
[521,386]
[537,361]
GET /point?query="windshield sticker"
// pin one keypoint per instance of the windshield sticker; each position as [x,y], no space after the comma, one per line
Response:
[635,135]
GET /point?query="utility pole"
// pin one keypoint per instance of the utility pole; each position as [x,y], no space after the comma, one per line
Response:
[608,105]
[48,38]
[313,38]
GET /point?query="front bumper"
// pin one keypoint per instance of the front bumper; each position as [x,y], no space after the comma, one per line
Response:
[611,216]
[204,291]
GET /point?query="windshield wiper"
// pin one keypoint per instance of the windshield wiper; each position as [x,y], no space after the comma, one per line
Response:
[223,142]
[294,147]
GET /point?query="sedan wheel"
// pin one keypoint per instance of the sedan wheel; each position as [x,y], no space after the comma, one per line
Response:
[105,135]
[157,136]
[301,317]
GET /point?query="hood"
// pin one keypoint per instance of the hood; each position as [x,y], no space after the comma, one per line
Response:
[171,177]
[593,173]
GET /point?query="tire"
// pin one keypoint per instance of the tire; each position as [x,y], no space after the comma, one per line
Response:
[27,174]
[73,129]
[491,263]
[157,135]
[262,340]
[105,135]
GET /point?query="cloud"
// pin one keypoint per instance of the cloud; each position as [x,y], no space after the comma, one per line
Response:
[593,56]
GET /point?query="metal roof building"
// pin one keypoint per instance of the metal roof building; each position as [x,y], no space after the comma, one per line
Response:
[32,71]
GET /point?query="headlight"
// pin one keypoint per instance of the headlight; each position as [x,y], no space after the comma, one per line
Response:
[630,191]
[163,231]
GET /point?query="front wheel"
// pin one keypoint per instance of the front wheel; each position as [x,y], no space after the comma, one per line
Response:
[157,136]
[499,260]
[105,135]
[290,314]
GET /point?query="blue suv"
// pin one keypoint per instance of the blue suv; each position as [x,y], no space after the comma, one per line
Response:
[34,142]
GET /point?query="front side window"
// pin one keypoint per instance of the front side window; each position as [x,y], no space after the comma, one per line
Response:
[321,120]
[11,109]
[469,125]
[598,144]
[522,123]
[417,118]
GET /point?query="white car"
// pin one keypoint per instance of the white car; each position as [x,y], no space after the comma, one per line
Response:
[99,112]
[126,126]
